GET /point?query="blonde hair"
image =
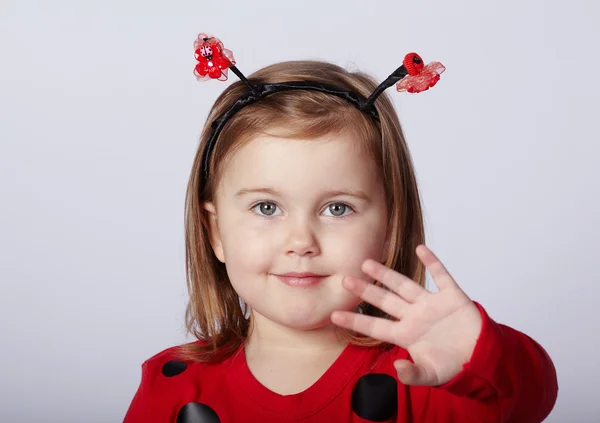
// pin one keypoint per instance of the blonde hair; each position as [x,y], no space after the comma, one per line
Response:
[215,315]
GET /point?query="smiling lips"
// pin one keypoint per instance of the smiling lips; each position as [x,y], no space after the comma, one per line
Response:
[301,279]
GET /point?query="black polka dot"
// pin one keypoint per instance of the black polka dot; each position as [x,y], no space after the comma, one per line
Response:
[196,412]
[375,397]
[173,368]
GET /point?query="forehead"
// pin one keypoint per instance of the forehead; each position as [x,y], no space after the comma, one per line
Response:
[300,165]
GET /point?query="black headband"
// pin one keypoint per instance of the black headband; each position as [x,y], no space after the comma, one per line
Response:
[214,60]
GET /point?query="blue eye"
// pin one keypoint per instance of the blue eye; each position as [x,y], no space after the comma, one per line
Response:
[339,208]
[268,208]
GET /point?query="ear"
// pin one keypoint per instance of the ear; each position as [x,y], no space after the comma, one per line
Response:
[212,225]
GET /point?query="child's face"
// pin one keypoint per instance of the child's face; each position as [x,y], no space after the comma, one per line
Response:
[303,229]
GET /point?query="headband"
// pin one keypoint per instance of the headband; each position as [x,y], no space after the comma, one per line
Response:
[214,60]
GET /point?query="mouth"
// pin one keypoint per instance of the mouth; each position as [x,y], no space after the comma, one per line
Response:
[301,279]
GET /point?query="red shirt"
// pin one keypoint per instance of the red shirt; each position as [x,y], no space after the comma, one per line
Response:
[509,378]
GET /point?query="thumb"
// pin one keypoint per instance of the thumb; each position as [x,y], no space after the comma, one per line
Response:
[412,374]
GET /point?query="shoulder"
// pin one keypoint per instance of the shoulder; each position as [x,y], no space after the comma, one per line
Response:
[167,380]
[171,361]
[170,353]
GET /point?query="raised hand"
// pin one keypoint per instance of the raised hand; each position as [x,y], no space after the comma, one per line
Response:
[439,330]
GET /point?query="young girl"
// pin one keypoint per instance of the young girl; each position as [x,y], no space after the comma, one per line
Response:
[306,266]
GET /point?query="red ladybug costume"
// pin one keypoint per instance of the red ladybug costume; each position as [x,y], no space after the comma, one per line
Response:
[509,379]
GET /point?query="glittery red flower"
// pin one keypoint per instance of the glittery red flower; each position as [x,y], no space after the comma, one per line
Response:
[420,77]
[213,58]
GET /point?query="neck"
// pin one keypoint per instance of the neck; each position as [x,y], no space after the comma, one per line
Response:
[270,336]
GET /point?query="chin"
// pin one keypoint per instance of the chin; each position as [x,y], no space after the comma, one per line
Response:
[309,318]
[302,322]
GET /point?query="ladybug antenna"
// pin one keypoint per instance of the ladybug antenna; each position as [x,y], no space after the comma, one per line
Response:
[240,75]
[396,76]
[412,67]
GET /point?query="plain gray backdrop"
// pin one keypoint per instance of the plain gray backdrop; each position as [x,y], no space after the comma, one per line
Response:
[100,116]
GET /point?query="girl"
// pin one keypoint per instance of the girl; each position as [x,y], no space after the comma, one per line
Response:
[306,267]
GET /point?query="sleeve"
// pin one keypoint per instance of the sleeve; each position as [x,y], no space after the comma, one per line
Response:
[510,379]
[151,402]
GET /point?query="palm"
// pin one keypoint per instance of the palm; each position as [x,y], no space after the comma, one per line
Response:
[439,330]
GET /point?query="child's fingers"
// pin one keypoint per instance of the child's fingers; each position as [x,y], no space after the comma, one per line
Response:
[381,298]
[413,374]
[398,283]
[375,327]
[437,270]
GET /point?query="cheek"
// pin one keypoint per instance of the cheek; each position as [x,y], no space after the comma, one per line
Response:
[244,264]
[247,249]
[352,246]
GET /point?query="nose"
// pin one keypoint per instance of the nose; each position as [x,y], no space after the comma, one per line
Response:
[302,240]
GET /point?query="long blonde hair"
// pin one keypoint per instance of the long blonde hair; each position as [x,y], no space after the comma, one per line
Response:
[215,315]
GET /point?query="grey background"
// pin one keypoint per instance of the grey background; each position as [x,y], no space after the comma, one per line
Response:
[99,120]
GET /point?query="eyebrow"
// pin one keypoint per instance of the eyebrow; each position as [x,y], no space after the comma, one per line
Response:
[352,193]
